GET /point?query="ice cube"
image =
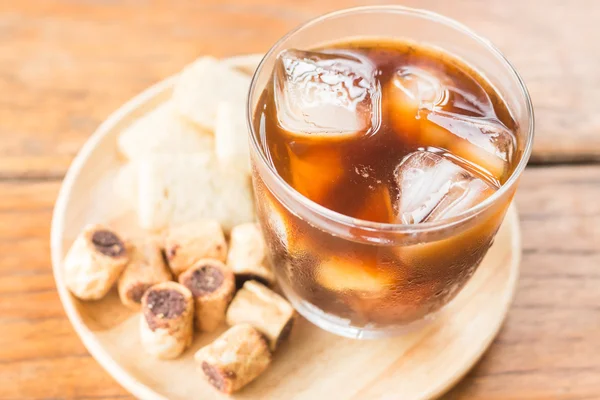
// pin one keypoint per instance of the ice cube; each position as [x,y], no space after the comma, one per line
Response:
[347,273]
[326,95]
[420,89]
[411,90]
[432,187]
[487,143]
[417,102]
[414,89]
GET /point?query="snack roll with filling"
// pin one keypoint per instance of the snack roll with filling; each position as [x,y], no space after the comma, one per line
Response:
[212,285]
[247,255]
[167,320]
[264,309]
[234,359]
[94,262]
[187,244]
[146,268]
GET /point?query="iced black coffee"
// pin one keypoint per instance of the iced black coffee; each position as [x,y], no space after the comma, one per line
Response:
[391,132]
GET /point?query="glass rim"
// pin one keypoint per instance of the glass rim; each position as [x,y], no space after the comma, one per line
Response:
[382,226]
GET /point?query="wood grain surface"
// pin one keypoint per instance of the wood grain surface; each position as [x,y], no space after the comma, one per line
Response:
[66,64]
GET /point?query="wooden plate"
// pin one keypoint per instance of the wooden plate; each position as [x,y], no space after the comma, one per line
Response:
[313,364]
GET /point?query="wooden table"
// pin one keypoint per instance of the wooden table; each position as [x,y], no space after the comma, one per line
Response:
[66,64]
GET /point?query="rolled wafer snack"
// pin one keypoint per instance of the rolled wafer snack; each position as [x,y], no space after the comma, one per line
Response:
[146,267]
[247,255]
[264,309]
[167,320]
[186,244]
[212,284]
[94,262]
[234,359]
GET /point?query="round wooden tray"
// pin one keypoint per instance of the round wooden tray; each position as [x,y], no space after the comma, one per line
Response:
[313,363]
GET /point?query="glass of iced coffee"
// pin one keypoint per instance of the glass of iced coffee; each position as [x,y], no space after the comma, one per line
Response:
[386,146]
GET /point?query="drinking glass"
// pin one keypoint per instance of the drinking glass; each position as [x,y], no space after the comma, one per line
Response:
[392,277]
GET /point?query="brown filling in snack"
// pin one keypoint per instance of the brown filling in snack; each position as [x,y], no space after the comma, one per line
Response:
[204,280]
[108,243]
[212,285]
[163,304]
[215,377]
[137,291]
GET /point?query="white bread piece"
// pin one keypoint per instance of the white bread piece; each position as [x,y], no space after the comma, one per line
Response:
[202,85]
[162,131]
[233,199]
[175,189]
[231,137]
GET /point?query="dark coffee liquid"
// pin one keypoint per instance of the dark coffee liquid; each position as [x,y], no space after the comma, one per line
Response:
[467,123]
